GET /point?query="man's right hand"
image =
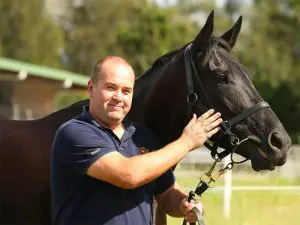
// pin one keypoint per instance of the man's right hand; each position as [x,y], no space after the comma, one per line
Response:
[200,129]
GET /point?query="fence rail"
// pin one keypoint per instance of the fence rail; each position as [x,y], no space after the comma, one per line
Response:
[200,159]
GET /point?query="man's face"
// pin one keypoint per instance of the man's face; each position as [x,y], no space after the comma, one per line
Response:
[111,97]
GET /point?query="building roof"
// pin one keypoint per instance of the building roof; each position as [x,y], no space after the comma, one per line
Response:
[43,71]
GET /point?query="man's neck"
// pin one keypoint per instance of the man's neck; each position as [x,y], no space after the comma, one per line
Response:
[117,128]
[119,131]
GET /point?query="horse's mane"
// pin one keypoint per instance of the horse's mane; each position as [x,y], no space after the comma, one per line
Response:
[145,79]
[162,61]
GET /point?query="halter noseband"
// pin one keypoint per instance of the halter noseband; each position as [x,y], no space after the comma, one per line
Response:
[192,98]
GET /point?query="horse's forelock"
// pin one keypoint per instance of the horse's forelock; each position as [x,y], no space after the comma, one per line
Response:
[214,44]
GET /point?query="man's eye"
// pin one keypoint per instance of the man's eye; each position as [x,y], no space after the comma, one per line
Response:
[110,88]
[127,91]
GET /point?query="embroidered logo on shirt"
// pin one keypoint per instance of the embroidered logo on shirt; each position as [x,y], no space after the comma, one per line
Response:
[94,151]
[143,150]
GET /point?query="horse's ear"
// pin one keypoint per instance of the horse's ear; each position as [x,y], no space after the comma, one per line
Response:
[231,35]
[205,33]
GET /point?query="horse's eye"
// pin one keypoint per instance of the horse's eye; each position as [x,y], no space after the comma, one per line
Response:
[221,78]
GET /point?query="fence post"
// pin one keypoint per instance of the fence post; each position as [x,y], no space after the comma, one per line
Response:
[28,113]
[16,112]
[227,189]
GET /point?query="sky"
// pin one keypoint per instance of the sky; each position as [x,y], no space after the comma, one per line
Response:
[219,3]
[171,2]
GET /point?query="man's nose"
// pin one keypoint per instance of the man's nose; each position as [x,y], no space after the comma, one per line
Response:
[118,95]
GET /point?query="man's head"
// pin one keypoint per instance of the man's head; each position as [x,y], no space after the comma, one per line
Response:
[111,89]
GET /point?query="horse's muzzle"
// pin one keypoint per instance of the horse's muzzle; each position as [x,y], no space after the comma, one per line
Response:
[278,146]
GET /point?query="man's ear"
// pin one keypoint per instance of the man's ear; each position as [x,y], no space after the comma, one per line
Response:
[90,88]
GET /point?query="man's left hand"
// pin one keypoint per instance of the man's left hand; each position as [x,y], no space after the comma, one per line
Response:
[186,208]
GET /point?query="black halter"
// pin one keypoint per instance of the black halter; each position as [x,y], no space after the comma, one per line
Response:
[192,75]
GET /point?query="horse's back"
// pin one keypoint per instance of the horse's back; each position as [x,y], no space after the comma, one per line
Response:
[25,167]
[24,174]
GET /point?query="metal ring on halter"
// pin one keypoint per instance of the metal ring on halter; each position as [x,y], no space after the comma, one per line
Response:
[192,98]
[234,140]
[233,151]
[229,166]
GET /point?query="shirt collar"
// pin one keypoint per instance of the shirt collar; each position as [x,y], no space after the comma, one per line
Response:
[128,124]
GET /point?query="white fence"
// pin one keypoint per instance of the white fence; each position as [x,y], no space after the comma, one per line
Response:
[290,170]
[200,160]
[16,112]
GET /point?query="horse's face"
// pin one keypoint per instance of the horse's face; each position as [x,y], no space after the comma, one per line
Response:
[230,90]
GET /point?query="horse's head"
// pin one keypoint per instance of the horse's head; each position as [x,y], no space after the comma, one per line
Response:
[223,83]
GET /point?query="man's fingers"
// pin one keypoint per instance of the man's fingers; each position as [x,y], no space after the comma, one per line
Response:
[212,118]
[206,115]
[214,124]
[190,217]
[188,206]
[212,132]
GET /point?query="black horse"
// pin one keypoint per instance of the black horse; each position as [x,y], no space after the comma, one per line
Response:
[201,75]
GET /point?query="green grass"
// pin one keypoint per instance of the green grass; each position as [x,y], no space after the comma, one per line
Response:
[249,207]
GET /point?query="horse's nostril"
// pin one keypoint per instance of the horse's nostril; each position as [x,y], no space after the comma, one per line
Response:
[275,141]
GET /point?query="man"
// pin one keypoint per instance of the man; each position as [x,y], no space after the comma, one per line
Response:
[98,175]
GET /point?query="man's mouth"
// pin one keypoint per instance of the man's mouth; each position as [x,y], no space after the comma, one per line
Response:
[116,106]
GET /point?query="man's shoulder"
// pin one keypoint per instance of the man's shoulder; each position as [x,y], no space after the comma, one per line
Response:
[72,124]
[76,131]
[75,126]
[146,137]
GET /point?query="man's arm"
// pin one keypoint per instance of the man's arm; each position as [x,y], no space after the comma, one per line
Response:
[169,201]
[129,173]
[174,202]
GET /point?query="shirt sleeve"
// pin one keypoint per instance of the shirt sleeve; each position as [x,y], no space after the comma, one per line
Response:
[79,146]
[164,182]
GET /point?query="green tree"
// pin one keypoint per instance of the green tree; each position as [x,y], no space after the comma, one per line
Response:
[26,33]
[139,32]
[270,47]
[93,31]
[153,32]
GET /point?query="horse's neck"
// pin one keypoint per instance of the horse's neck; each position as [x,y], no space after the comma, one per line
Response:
[162,104]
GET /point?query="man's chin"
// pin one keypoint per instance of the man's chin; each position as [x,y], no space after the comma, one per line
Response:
[116,118]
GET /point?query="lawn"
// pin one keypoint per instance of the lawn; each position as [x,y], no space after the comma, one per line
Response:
[249,207]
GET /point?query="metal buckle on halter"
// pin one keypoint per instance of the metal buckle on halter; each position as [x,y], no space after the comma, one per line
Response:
[225,127]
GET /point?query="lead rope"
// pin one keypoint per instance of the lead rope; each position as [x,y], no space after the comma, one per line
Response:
[207,180]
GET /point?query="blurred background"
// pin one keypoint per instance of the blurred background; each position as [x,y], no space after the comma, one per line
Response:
[47,49]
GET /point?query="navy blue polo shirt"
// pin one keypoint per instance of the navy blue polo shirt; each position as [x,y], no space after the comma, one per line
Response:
[78,199]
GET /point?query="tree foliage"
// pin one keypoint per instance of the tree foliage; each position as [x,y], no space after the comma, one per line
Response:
[26,33]
[140,31]
[274,40]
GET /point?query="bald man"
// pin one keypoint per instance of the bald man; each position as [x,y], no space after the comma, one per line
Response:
[99,176]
